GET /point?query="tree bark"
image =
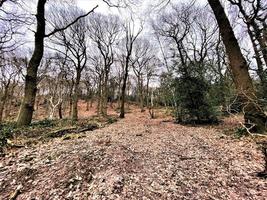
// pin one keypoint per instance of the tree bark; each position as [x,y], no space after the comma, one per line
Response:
[260,70]
[3,103]
[76,97]
[88,91]
[99,95]
[262,43]
[70,105]
[27,105]
[141,94]
[70,96]
[105,96]
[239,67]
[123,89]
[60,114]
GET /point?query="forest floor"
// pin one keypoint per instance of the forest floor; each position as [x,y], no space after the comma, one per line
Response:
[137,158]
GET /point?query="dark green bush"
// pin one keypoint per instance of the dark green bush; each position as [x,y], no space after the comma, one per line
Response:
[193,106]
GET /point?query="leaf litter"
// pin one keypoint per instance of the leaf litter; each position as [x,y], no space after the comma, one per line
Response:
[137,158]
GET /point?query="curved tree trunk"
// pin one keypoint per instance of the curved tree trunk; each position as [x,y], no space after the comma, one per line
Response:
[27,105]
[253,113]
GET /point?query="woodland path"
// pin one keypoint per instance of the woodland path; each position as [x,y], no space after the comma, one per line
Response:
[137,158]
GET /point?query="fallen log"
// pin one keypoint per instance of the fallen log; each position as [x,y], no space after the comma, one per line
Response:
[61,132]
[64,131]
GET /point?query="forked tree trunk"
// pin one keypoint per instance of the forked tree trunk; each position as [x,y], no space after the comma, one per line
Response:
[27,105]
[253,113]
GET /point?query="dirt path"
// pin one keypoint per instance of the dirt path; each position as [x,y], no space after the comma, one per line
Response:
[137,158]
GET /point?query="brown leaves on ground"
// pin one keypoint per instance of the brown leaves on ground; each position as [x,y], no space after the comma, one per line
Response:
[137,158]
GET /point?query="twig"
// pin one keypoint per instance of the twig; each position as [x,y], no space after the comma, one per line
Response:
[228,110]
[16,193]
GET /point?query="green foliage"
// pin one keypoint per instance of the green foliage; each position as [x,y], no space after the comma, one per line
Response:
[6,131]
[111,120]
[193,106]
[166,88]
[240,132]
[43,123]
[3,138]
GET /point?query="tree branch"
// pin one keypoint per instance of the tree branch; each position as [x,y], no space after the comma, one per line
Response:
[70,24]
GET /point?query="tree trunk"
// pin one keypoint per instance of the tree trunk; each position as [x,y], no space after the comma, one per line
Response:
[75,97]
[60,110]
[123,89]
[119,95]
[74,109]
[87,99]
[3,101]
[99,95]
[253,113]
[147,92]
[71,98]
[260,69]
[141,94]
[105,96]
[27,105]
[70,106]
[2,107]
[262,43]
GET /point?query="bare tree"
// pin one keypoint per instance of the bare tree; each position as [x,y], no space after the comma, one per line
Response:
[27,105]
[130,37]
[141,57]
[104,31]
[9,73]
[175,26]
[13,19]
[74,41]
